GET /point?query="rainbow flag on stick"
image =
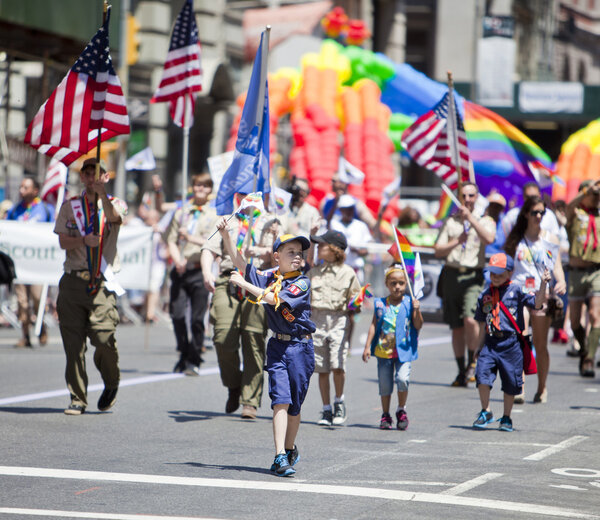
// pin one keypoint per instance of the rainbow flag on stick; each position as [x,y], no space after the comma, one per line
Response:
[402,253]
[356,302]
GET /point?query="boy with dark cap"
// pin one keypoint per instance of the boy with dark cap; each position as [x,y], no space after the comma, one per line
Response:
[500,307]
[285,291]
[333,285]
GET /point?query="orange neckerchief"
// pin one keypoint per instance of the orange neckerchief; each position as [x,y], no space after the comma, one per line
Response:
[276,286]
[496,303]
[591,230]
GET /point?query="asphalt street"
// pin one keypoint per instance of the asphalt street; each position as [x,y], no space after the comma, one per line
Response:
[167,449]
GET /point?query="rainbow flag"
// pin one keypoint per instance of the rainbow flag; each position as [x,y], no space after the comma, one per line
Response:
[356,302]
[446,208]
[244,226]
[406,252]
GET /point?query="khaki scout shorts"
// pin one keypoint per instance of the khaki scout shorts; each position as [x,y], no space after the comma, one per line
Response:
[583,284]
[460,293]
[330,340]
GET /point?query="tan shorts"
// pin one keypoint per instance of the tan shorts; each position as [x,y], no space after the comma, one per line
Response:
[330,340]
[583,284]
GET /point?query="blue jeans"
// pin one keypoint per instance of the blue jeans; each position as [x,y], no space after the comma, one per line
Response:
[390,371]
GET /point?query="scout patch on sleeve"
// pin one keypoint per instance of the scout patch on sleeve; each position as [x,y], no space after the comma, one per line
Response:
[287,314]
[298,287]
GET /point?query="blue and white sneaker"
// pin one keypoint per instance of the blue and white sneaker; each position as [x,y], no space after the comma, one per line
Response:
[506,424]
[292,455]
[483,419]
[281,466]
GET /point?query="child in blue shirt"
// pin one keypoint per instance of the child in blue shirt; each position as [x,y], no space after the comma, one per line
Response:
[285,291]
[393,340]
[501,350]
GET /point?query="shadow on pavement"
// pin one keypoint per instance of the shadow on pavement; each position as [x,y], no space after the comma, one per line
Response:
[251,469]
[30,410]
[201,415]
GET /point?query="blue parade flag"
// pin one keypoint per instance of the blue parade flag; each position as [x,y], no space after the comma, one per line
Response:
[249,171]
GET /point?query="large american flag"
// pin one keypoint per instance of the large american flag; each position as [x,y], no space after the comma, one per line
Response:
[429,142]
[88,98]
[182,75]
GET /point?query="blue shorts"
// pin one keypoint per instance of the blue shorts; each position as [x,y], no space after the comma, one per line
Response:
[506,358]
[289,365]
[390,371]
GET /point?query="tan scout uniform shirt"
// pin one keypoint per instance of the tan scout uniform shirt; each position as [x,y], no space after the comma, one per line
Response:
[299,221]
[200,225]
[472,256]
[265,230]
[332,286]
[76,258]
[578,233]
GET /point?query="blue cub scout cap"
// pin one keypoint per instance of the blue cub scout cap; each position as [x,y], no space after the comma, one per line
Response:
[500,263]
[284,239]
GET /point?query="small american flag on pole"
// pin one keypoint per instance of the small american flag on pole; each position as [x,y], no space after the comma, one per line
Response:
[182,75]
[429,140]
[88,98]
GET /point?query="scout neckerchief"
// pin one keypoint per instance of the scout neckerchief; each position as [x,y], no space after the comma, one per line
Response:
[27,213]
[276,286]
[591,230]
[194,212]
[496,303]
[94,254]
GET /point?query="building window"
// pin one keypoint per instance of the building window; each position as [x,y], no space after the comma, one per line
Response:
[566,72]
[581,73]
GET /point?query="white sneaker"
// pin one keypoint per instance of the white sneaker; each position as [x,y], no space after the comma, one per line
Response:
[191,370]
[339,413]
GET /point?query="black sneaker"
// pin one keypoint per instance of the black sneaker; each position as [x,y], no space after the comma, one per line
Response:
[74,409]
[339,413]
[460,381]
[233,401]
[506,424]
[385,422]
[292,455]
[281,466]
[483,419]
[107,399]
[326,418]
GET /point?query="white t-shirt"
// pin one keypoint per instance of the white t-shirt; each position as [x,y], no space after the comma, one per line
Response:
[357,234]
[531,258]
[549,222]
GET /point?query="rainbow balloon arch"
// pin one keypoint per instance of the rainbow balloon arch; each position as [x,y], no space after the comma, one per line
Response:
[347,100]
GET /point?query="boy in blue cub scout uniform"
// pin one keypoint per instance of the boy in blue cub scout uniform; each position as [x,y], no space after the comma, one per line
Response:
[285,291]
[502,349]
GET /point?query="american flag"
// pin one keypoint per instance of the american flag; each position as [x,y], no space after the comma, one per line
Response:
[182,75]
[88,98]
[56,178]
[429,142]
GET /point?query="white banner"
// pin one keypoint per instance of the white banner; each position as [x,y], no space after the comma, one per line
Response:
[551,96]
[495,70]
[38,258]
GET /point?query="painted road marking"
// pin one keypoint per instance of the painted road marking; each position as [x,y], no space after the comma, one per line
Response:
[365,492]
[470,484]
[577,472]
[556,448]
[81,514]
[92,388]
[567,486]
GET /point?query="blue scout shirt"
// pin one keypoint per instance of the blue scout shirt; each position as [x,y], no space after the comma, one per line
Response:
[514,300]
[407,335]
[293,314]
[38,212]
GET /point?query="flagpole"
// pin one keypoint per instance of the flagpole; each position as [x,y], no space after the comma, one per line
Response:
[450,194]
[259,115]
[454,141]
[403,264]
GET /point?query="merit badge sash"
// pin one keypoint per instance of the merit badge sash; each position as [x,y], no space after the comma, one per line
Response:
[84,219]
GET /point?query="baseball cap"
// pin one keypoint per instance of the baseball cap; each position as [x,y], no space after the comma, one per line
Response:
[346,201]
[499,263]
[284,239]
[335,238]
[92,162]
[496,198]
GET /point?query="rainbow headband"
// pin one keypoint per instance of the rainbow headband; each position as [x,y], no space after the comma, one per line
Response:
[394,269]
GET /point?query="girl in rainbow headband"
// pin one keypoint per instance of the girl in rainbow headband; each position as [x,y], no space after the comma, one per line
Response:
[393,340]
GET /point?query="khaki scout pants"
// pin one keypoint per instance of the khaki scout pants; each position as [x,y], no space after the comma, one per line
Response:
[25,294]
[82,315]
[233,321]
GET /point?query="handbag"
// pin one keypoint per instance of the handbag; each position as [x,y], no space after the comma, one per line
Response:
[529,364]
[556,310]
[439,288]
